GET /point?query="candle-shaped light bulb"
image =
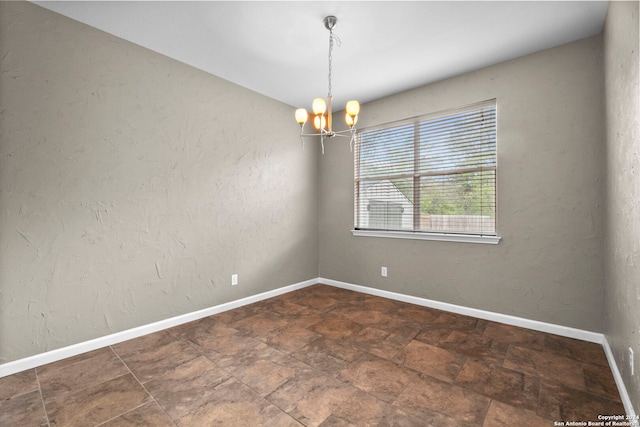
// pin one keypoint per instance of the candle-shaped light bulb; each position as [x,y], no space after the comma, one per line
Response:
[319,106]
[319,122]
[301,116]
[350,120]
[353,108]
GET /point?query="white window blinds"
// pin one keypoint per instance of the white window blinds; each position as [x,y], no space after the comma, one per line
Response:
[434,174]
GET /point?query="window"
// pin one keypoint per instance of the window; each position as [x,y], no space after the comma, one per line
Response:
[434,174]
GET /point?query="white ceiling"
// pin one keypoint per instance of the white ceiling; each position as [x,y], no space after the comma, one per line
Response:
[280,48]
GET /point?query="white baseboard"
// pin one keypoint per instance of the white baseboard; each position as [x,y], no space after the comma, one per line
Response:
[94,344]
[622,388]
[551,328]
[34,361]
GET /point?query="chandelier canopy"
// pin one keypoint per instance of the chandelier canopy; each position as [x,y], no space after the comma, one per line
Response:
[322,117]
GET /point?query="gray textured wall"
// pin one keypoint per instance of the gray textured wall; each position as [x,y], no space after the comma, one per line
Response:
[622,253]
[548,266]
[130,190]
[131,187]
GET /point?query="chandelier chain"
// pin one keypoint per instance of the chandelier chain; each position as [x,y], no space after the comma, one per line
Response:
[330,58]
[332,37]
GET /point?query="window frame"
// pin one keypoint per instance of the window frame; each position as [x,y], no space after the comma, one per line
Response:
[491,238]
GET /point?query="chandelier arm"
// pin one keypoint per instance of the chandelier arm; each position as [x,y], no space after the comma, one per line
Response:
[312,134]
[331,135]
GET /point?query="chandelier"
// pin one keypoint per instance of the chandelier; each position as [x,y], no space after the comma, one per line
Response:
[322,118]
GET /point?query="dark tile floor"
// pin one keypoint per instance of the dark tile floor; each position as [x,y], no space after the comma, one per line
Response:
[322,356]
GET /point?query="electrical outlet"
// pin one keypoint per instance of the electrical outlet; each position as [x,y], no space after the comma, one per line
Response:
[234,279]
[383,271]
[631,360]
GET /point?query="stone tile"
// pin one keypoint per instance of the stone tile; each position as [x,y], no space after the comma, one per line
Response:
[339,294]
[501,384]
[282,306]
[561,403]
[346,311]
[327,355]
[380,343]
[293,338]
[202,330]
[362,409]
[460,322]
[474,347]
[321,304]
[373,318]
[335,421]
[546,366]
[434,334]
[148,415]
[425,397]
[239,313]
[304,292]
[306,319]
[310,397]
[378,377]
[152,355]
[266,370]
[25,409]
[582,351]
[422,316]
[599,380]
[446,323]
[18,384]
[230,350]
[503,415]
[336,328]
[261,326]
[187,387]
[282,420]
[76,373]
[233,403]
[386,323]
[430,360]
[380,304]
[506,335]
[98,403]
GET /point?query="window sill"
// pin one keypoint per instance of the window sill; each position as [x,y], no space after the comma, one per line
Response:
[442,237]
